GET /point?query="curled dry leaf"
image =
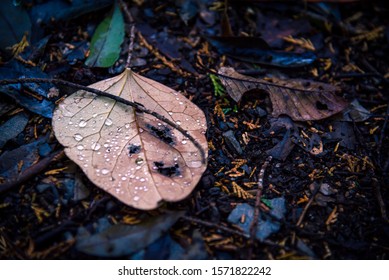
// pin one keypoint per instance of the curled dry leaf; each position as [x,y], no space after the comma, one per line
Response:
[133,156]
[302,100]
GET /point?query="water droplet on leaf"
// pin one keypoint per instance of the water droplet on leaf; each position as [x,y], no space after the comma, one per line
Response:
[194,164]
[78,137]
[95,146]
[82,123]
[108,122]
[104,171]
[139,161]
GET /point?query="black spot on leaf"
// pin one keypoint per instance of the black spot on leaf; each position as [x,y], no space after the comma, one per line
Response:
[321,106]
[169,171]
[164,133]
[134,149]
[158,163]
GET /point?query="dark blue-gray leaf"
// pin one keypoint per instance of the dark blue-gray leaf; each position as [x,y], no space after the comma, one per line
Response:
[164,248]
[266,226]
[256,50]
[42,105]
[121,240]
[283,148]
[65,10]
[14,22]
[11,128]
[187,9]
[355,112]
[28,153]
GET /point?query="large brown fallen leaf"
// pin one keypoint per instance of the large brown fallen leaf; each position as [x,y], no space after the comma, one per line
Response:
[302,100]
[133,156]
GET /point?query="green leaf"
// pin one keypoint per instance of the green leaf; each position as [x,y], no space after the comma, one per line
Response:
[106,41]
[14,22]
[217,85]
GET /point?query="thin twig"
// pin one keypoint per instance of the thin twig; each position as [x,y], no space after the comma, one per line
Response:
[151,48]
[371,68]
[355,75]
[130,19]
[235,232]
[382,135]
[304,212]
[262,84]
[168,62]
[380,200]
[217,226]
[30,172]
[130,46]
[137,106]
[254,223]
[126,11]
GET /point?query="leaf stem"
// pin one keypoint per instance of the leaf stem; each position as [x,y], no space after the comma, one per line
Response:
[137,106]
[130,46]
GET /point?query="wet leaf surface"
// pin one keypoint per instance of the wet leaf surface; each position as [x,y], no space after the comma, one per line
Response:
[133,156]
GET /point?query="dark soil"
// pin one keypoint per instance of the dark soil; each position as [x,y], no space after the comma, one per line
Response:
[336,199]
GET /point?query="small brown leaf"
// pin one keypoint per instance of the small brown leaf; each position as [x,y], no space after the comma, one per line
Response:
[302,100]
[133,156]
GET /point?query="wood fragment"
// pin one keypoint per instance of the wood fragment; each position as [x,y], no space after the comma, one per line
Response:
[332,216]
[311,199]
[240,192]
[302,42]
